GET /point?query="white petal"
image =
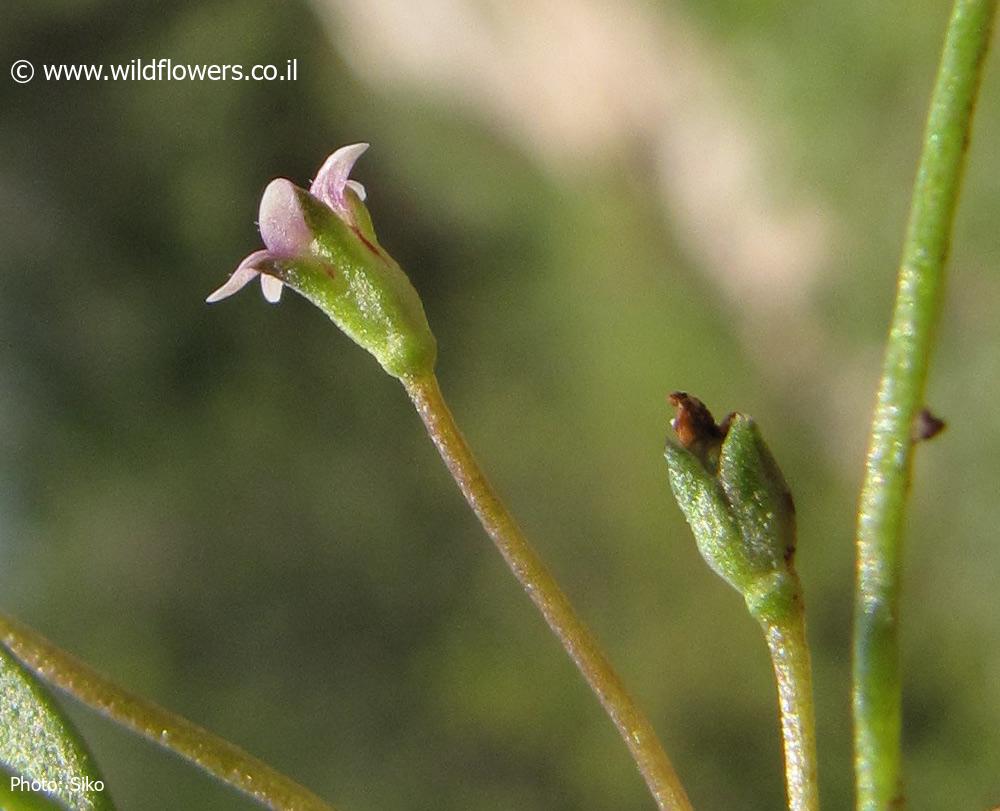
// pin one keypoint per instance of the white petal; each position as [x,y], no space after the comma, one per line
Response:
[282,224]
[332,176]
[271,286]
[359,190]
[241,277]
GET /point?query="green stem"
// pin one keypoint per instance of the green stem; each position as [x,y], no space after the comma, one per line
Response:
[786,642]
[877,682]
[218,757]
[531,572]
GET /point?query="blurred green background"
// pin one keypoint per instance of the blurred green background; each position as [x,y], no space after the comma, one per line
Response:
[231,509]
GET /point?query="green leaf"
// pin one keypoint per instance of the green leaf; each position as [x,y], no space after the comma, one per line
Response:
[15,800]
[39,749]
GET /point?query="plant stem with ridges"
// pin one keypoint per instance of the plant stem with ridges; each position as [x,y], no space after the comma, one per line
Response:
[877,681]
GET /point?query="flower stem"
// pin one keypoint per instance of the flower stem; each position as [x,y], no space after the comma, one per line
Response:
[218,757]
[786,642]
[877,681]
[538,582]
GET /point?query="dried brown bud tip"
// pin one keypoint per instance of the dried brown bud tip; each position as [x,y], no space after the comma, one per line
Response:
[696,428]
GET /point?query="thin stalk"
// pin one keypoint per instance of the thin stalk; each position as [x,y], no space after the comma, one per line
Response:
[786,642]
[534,576]
[218,757]
[877,681]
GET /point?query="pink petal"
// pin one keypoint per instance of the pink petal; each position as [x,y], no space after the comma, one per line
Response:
[332,177]
[359,190]
[271,287]
[245,272]
[282,224]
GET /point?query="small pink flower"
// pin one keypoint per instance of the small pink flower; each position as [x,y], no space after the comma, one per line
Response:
[282,223]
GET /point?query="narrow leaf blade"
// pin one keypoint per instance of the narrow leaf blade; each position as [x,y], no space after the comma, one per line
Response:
[38,743]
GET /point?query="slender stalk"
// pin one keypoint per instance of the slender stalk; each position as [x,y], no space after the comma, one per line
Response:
[218,757]
[877,682]
[786,642]
[531,572]
[738,505]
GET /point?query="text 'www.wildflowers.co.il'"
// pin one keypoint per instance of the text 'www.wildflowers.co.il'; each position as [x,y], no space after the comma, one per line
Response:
[155,70]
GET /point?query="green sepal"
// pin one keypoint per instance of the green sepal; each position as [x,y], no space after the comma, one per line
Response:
[758,495]
[349,276]
[704,504]
[359,212]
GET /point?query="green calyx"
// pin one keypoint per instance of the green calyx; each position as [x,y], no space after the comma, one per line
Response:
[348,275]
[736,501]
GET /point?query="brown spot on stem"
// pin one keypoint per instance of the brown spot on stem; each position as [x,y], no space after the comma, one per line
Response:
[926,426]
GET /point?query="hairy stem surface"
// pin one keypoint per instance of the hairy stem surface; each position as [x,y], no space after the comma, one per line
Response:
[786,642]
[531,572]
[877,682]
[218,757]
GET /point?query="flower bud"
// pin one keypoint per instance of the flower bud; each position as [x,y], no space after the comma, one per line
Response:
[736,501]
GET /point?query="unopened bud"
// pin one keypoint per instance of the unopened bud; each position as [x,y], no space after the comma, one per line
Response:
[736,501]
